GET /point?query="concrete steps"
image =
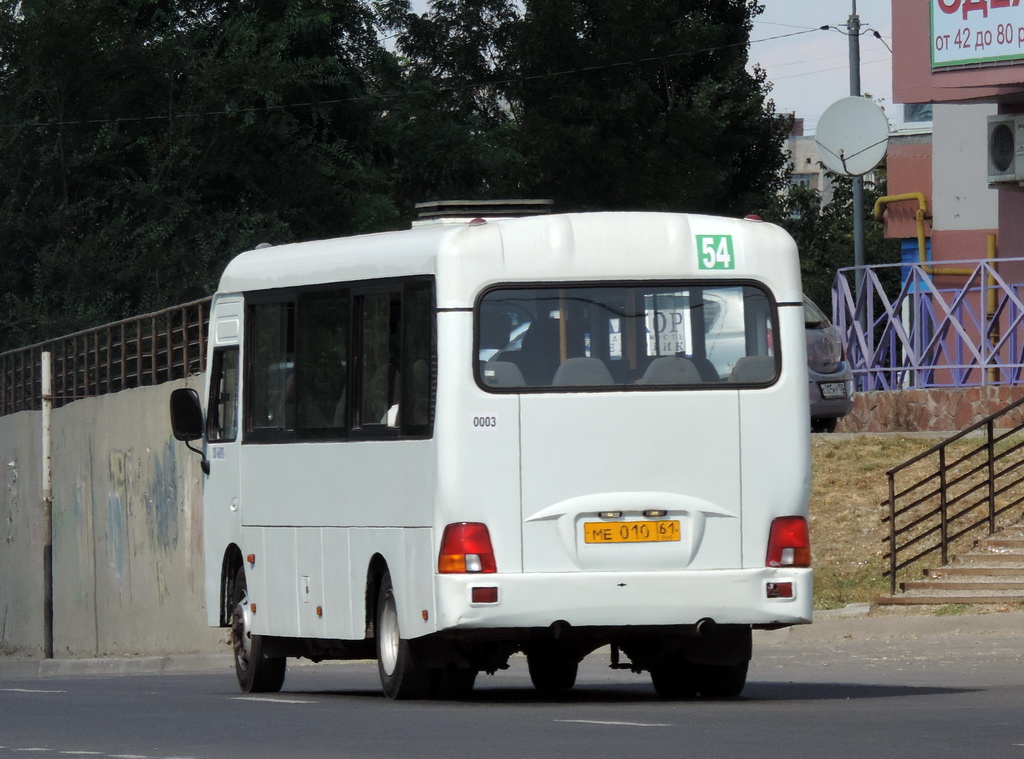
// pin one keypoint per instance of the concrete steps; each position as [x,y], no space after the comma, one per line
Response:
[992,572]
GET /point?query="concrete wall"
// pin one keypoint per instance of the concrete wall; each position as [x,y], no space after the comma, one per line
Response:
[127,545]
[21,549]
[944,410]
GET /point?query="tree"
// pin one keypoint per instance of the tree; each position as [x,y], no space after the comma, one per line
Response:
[824,233]
[147,141]
[455,135]
[645,104]
[610,104]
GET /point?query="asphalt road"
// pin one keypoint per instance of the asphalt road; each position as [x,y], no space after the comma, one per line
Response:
[930,687]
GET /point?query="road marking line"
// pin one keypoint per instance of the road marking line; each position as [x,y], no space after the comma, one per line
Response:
[271,700]
[29,690]
[603,722]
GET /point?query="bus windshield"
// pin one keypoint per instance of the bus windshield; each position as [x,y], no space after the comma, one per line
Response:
[635,336]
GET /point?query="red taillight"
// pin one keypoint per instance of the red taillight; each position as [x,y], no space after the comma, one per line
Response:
[466,547]
[789,544]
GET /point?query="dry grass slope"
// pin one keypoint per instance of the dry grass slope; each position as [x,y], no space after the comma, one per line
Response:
[848,486]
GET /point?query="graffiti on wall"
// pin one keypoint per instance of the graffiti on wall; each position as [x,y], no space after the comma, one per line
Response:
[162,497]
[117,516]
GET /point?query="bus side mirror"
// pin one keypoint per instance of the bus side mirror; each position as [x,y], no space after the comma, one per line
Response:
[187,420]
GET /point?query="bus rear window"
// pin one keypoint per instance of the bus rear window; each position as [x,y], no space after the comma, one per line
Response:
[637,336]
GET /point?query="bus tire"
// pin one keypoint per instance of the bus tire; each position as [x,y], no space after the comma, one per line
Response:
[550,672]
[674,679]
[722,681]
[256,672]
[400,676]
[452,684]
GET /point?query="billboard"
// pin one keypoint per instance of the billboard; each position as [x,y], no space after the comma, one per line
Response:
[966,32]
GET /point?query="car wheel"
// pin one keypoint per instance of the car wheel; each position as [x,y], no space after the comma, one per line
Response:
[400,676]
[718,681]
[824,424]
[452,683]
[674,679]
[256,672]
[550,671]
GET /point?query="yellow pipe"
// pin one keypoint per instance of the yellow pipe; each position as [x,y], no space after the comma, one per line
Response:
[922,208]
[919,218]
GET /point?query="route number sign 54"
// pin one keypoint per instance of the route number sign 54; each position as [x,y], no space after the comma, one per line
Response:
[715,252]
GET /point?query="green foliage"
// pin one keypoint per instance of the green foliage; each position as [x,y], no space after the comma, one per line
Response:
[153,140]
[666,117]
[824,233]
[148,141]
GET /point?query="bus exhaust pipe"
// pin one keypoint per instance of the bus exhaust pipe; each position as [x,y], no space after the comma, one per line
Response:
[706,626]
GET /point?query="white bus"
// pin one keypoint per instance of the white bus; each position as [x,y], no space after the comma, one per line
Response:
[443,446]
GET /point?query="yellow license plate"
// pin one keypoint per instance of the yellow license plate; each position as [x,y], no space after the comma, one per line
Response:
[631,532]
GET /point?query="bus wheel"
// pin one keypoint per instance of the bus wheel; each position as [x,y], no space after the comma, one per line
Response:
[549,671]
[674,679]
[452,684]
[400,677]
[256,672]
[722,681]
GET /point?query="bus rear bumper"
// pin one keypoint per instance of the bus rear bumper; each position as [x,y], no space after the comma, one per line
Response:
[760,597]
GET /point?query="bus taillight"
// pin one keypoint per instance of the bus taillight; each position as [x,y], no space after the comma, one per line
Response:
[789,544]
[466,547]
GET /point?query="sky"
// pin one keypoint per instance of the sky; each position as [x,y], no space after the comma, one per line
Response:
[811,71]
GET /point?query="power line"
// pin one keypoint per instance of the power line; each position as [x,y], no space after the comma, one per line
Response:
[385,97]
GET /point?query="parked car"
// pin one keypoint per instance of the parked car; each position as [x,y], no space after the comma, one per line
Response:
[831,379]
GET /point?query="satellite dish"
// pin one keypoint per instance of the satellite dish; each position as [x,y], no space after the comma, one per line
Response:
[852,136]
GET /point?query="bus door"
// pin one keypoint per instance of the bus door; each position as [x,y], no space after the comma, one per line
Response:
[222,522]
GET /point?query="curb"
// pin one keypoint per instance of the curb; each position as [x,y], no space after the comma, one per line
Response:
[852,624]
[17,669]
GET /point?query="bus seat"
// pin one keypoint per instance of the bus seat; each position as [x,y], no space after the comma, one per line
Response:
[502,374]
[671,370]
[582,372]
[753,369]
[540,352]
[706,370]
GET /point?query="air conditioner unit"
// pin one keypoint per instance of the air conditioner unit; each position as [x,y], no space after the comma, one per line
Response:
[1006,149]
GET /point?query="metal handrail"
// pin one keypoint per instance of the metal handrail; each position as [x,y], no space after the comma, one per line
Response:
[974,489]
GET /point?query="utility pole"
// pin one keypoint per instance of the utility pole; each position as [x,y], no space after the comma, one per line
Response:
[853,32]
[47,393]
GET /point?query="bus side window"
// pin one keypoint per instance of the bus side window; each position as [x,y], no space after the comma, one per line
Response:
[271,367]
[222,419]
[417,358]
[323,326]
[379,379]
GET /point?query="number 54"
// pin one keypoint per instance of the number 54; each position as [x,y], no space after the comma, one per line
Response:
[715,252]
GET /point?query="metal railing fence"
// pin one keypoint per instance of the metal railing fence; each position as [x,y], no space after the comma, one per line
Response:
[144,350]
[955,492]
[928,335]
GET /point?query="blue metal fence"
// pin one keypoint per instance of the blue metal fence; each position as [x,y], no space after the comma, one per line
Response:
[939,330]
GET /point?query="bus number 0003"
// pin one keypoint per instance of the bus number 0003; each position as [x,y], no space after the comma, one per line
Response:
[485,422]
